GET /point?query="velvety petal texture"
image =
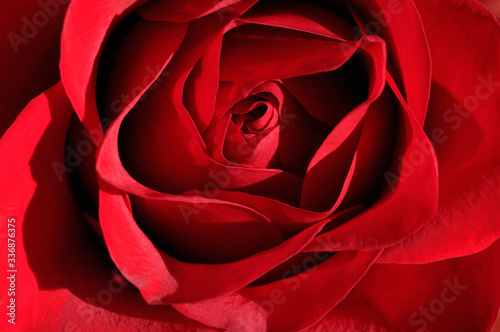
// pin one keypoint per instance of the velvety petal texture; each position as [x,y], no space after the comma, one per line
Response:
[459,294]
[32,34]
[460,124]
[70,283]
[250,165]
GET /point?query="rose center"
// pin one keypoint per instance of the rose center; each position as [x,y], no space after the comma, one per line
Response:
[255,121]
[252,137]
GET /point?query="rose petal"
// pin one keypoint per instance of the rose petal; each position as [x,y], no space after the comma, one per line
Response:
[300,136]
[228,95]
[408,46]
[493,6]
[167,280]
[131,250]
[458,294]
[128,67]
[289,219]
[110,169]
[257,144]
[81,42]
[333,160]
[65,280]
[231,312]
[465,139]
[341,90]
[192,281]
[31,33]
[413,173]
[313,292]
[214,232]
[331,165]
[305,17]
[186,10]
[201,87]
[22,145]
[373,154]
[256,52]
[157,130]
[183,164]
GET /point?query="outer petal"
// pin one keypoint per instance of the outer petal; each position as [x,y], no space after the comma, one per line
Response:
[184,11]
[382,224]
[64,278]
[336,152]
[231,313]
[86,26]
[123,78]
[217,233]
[258,52]
[463,122]
[167,280]
[493,6]
[313,292]
[399,24]
[30,36]
[301,16]
[460,294]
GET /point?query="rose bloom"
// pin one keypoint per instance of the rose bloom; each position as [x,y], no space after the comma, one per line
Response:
[250,165]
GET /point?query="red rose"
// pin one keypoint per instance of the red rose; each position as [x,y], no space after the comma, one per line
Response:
[251,165]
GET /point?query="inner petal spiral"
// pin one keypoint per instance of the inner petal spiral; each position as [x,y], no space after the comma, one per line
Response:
[253,132]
